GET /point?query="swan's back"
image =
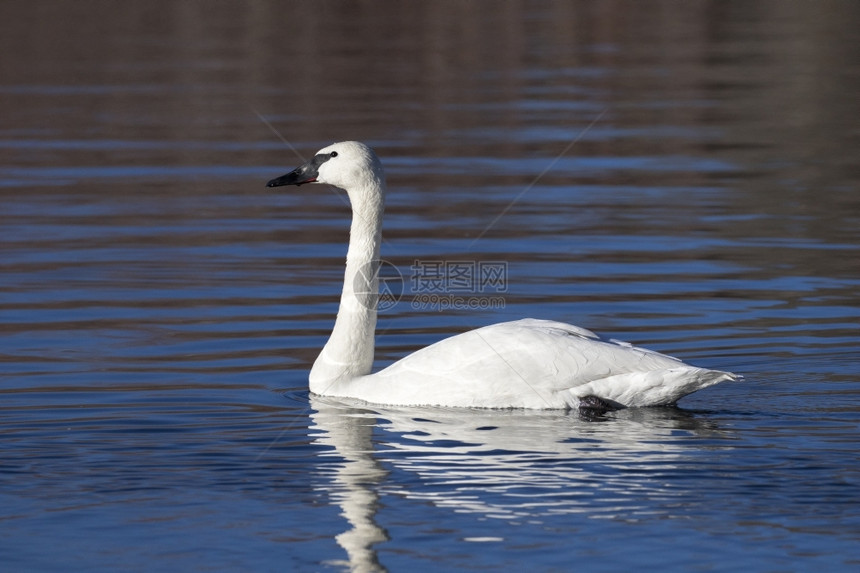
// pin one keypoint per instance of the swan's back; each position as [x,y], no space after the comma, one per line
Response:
[531,363]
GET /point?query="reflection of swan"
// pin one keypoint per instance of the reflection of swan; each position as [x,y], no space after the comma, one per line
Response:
[507,464]
[517,464]
[349,431]
[529,363]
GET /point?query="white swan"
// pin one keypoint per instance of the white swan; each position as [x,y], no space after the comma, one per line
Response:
[528,363]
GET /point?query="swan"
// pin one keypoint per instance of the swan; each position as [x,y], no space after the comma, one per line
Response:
[528,363]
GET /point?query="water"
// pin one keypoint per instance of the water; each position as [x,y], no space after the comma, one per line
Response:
[680,176]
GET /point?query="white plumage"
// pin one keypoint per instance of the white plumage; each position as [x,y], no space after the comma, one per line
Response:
[528,363]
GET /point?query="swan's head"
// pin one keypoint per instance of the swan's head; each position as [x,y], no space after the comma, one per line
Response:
[348,165]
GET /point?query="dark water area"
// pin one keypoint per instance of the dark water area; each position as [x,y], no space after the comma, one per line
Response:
[683,176]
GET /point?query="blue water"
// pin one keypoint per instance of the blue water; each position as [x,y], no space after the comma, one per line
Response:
[683,179]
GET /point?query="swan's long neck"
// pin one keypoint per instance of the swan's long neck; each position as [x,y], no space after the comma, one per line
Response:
[349,350]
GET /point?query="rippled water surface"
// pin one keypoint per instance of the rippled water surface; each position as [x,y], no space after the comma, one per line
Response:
[682,176]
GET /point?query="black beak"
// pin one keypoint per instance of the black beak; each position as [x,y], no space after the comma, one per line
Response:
[302,174]
[306,173]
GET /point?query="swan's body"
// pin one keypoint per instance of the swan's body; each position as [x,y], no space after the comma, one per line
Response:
[528,363]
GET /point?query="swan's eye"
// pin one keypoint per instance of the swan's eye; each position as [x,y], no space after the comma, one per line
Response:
[333,154]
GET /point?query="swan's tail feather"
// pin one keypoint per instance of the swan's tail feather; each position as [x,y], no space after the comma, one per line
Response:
[656,388]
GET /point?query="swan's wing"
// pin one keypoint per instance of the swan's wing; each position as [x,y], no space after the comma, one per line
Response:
[528,364]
